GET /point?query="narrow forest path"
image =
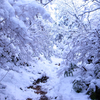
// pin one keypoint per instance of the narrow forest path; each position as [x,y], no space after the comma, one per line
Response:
[38,82]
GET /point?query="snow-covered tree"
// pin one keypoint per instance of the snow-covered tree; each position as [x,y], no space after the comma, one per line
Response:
[23,33]
[81,42]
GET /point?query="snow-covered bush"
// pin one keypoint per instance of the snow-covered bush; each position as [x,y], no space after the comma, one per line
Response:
[70,70]
[79,85]
[23,33]
[81,42]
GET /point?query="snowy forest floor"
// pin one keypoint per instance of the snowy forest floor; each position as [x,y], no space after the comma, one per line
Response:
[39,82]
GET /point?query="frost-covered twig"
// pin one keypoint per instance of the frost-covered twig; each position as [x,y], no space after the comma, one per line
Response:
[89,11]
[4,75]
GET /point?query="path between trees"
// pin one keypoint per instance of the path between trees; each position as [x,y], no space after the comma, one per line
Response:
[38,82]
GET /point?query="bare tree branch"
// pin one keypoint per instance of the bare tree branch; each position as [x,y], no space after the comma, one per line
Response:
[2,20]
[89,11]
[41,1]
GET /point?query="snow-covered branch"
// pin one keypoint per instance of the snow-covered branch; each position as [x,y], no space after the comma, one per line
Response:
[21,41]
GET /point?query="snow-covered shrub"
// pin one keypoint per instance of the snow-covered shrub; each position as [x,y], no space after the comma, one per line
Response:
[79,85]
[83,50]
[70,70]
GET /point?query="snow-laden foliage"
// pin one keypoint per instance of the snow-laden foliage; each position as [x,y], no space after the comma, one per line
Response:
[23,34]
[81,42]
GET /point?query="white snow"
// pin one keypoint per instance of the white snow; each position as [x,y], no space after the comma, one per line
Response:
[16,82]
